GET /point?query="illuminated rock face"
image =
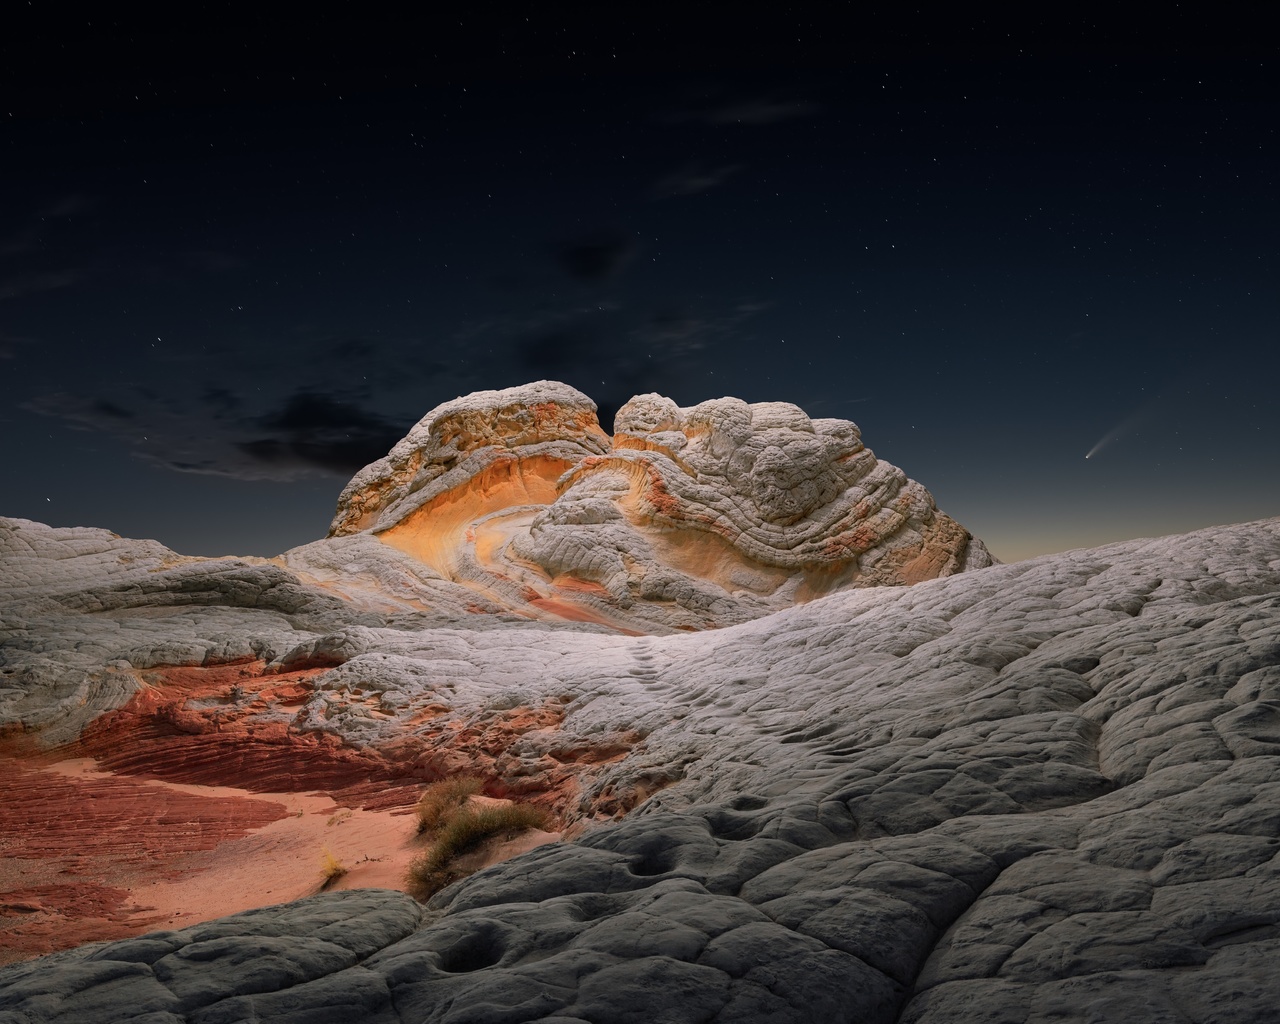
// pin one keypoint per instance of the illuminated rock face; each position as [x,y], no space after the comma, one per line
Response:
[686,518]
[482,445]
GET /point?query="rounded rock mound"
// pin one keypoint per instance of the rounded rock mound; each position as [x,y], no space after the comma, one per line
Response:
[686,518]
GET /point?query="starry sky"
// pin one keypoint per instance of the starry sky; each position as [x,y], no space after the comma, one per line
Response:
[240,255]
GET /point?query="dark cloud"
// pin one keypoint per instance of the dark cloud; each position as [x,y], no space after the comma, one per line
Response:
[692,179]
[264,450]
[80,413]
[596,256]
[107,408]
[310,432]
[327,423]
[220,399]
[308,411]
[343,456]
[322,432]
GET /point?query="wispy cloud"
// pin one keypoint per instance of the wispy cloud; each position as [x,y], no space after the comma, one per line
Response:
[68,206]
[309,432]
[693,179]
[82,413]
[351,399]
[19,242]
[25,284]
[755,111]
[11,343]
[27,238]
[761,112]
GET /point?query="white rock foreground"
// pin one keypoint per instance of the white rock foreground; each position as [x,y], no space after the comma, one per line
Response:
[1046,791]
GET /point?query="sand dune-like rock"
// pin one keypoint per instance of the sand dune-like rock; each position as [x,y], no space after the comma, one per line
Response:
[1040,791]
[686,518]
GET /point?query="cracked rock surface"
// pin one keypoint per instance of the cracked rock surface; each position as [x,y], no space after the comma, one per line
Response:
[1047,791]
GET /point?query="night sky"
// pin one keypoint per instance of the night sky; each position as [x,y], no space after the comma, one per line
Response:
[240,257]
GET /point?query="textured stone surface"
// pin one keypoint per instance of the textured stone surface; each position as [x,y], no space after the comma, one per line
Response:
[1047,791]
[686,518]
[489,435]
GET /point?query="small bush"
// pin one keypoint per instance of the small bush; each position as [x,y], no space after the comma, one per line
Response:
[441,799]
[462,831]
[331,868]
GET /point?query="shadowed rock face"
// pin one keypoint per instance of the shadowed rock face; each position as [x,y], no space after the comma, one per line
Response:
[1046,791]
[686,518]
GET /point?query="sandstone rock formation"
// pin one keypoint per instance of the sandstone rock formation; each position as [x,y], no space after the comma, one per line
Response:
[687,518]
[1046,791]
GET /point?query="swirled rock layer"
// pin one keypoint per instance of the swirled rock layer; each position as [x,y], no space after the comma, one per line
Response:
[686,518]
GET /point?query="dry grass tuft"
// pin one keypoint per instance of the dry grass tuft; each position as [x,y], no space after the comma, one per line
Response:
[441,799]
[331,868]
[462,831]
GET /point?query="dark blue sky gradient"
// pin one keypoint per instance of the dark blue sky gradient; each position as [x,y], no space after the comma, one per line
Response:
[238,260]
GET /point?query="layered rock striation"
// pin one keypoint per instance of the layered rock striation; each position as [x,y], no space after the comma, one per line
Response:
[685,518]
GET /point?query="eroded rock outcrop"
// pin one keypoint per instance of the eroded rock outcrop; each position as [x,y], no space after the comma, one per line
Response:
[488,448]
[686,518]
[1044,791]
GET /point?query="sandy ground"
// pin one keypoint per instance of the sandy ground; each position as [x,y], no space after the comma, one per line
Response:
[282,861]
[53,903]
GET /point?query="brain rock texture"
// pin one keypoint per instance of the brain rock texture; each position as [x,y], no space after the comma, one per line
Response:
[1039,792]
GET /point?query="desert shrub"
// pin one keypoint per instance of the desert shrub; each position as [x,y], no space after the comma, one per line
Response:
[462,831]
[441,799]
[331,868]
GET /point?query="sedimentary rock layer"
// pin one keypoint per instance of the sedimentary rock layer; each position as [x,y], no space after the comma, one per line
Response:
[686,518]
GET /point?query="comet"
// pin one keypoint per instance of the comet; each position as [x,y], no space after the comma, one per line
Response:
[1106,440]
[1124,426]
